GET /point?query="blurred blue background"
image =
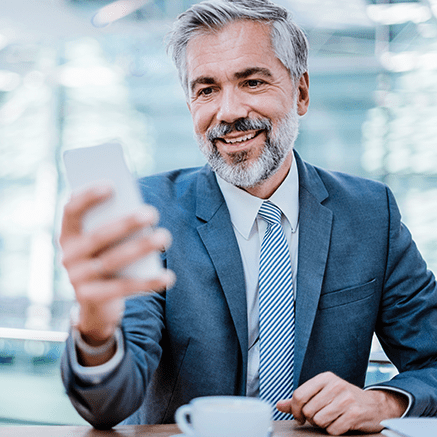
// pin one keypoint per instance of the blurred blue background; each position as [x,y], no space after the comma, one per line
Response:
[70,78]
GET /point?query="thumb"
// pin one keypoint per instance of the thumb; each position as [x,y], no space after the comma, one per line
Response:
[284,405]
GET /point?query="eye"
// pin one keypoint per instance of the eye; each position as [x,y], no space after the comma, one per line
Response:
[206,91]
[254,83]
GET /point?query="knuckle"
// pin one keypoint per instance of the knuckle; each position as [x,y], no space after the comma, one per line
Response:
[329,376]
[340,386]
[320,421]
[297,397]
[307,411]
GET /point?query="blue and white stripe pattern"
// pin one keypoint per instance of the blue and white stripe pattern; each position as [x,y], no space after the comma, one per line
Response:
[276,308]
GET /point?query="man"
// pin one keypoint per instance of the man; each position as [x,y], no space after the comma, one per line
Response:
[352,266]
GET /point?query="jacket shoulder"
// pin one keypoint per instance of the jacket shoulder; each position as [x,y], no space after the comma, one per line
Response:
[349,196]
[176,185]
[335,185]
[338,183]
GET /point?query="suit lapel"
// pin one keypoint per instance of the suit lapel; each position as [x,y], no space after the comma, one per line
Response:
[315,224]
[219,239]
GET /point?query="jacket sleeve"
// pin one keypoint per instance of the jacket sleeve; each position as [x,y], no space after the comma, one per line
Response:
[407,326]
[121,393]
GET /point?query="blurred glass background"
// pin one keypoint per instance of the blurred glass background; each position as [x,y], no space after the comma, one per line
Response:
[80,72]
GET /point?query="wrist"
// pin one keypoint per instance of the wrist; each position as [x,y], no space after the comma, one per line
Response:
[393,403]
[88,355]
[95,327]
[92,347]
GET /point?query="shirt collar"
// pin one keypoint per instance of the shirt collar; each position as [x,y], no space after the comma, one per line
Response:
[243,207]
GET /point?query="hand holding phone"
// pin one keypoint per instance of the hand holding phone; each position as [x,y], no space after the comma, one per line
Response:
[105,165]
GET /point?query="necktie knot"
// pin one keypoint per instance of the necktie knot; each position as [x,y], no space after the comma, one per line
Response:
[270,213]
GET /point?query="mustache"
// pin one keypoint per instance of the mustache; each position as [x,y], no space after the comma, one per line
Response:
[240,125]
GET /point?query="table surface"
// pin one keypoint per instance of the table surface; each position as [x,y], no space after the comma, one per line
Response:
[281,429]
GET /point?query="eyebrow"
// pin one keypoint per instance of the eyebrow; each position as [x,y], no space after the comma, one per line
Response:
[208,80]
[203,80]
[254,70]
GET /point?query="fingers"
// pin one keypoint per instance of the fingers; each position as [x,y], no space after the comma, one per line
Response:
[332,415]
[102,302]
[321,401]
[83,266]
[284,406]
[98,254]
[76,208]
[329,402]
[85,245]
[94,259]
[306,393]
[139,246]
[102,291]
[300,405]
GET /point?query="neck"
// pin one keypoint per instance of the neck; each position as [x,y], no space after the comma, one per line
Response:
[266,188]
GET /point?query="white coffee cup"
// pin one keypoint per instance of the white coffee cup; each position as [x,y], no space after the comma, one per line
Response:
[225,416]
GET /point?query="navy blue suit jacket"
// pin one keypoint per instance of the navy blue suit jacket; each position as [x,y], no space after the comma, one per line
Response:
[359,272]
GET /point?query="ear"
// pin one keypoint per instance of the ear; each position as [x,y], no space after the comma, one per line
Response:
[303,98]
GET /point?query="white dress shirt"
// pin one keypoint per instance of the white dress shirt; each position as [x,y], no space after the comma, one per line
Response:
[249,230]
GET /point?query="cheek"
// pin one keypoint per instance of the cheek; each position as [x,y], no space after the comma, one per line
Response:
[203,118]
[198,125]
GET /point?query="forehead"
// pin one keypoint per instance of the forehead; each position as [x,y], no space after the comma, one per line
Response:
[239,45]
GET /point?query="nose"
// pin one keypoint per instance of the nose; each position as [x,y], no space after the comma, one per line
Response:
[232,106]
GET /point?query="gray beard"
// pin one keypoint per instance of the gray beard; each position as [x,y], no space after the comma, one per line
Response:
[240,172]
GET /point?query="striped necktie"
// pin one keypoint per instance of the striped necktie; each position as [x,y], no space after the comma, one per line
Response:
[276,308]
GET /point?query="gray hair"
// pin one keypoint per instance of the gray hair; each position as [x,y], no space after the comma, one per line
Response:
[288,40]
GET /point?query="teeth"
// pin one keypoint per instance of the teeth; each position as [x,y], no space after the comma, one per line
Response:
[240,139]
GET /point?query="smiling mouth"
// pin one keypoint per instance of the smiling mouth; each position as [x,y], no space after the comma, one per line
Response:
[240,139]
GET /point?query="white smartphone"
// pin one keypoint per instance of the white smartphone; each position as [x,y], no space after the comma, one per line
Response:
[105,165]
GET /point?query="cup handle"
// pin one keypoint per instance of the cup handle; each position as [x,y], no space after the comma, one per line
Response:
[181,416]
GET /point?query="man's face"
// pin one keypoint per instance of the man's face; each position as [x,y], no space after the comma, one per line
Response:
[243,102]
